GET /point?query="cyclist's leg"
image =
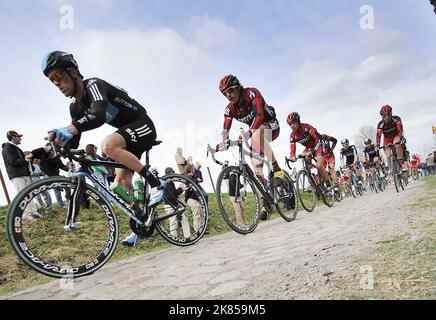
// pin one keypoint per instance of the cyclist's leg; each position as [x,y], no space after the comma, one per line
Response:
[319,166]
[127,145]
[333,171]
[261,141]
[399,149]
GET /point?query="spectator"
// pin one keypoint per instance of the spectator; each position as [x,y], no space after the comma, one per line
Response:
[198,178]
[36,174]
[99,171]
[172,204]
[192,201]
[430,164]
[51,167]
[18,172]
[181,161]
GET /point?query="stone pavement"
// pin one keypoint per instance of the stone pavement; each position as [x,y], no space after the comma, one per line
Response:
[286,260]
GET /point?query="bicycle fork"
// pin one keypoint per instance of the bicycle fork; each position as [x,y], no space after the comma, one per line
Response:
[74,204]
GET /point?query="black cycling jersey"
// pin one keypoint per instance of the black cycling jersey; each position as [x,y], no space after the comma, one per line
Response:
[103,103]
[371,152]
[349,154]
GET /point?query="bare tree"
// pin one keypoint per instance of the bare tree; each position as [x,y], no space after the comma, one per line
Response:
[365,132]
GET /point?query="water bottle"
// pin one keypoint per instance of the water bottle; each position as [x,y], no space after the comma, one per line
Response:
[138,190]
[123,193]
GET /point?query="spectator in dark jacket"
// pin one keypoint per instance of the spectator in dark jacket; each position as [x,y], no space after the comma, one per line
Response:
[192,200]
[18,172]
[51,166]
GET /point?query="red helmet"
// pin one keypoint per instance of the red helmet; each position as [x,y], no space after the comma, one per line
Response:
[229,81]
[294,116]
[385,110]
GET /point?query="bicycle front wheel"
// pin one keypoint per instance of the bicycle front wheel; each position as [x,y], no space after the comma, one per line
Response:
[44,242]
[188,226]
[287,205]
[238,200]
[306,191]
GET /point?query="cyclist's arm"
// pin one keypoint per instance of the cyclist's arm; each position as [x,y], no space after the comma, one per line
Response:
[293,147]
[379,134]
[258,108]
[334,142]
[341,158]
[356,156]
[96,116]
[228,119]
[400,128]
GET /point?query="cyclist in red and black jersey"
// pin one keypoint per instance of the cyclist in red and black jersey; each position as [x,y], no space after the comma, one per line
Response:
[247,105]
[329,157]
[392,129]
[309,137]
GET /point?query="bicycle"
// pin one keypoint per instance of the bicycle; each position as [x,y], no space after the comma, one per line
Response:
[307,184]
[241,198]
[372,178]
[76,242]
[358,187]
[397,172]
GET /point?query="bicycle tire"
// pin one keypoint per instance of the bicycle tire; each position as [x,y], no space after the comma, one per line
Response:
[307,196]
[30,240]
[395,175]
[288,213]
[234,211]
[189,226]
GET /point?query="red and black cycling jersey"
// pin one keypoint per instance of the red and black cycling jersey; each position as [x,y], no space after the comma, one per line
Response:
[306,135]
[251,110]
[104,103]
[392,129]
[328,149]
[370,153]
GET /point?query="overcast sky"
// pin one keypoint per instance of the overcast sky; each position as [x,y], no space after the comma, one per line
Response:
[314,58]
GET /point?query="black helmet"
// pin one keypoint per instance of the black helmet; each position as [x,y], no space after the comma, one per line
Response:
[368,141]
[169,170]
[57,60]
[345,141]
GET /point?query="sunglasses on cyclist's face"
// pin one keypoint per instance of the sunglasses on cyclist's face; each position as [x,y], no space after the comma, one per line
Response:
[387,116]
[56,76]
[229,90]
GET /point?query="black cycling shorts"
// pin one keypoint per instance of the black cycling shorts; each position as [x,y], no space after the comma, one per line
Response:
[139,135]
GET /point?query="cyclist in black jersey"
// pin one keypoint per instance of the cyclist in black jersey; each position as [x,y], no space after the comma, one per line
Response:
[96,102]
[372,155]
[351,158]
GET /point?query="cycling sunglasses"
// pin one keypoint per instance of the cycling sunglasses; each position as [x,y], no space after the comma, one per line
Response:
[57,76]
[229,90]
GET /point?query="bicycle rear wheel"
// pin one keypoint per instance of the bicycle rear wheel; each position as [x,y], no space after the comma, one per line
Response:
[57,250]
[188,226]
[306,191]
[287,205]
[238,200]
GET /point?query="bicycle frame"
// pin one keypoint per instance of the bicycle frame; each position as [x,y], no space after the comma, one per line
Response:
[307,166]
[85,172]
[245,168]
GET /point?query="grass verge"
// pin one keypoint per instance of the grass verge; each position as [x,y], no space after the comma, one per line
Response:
[402,266]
